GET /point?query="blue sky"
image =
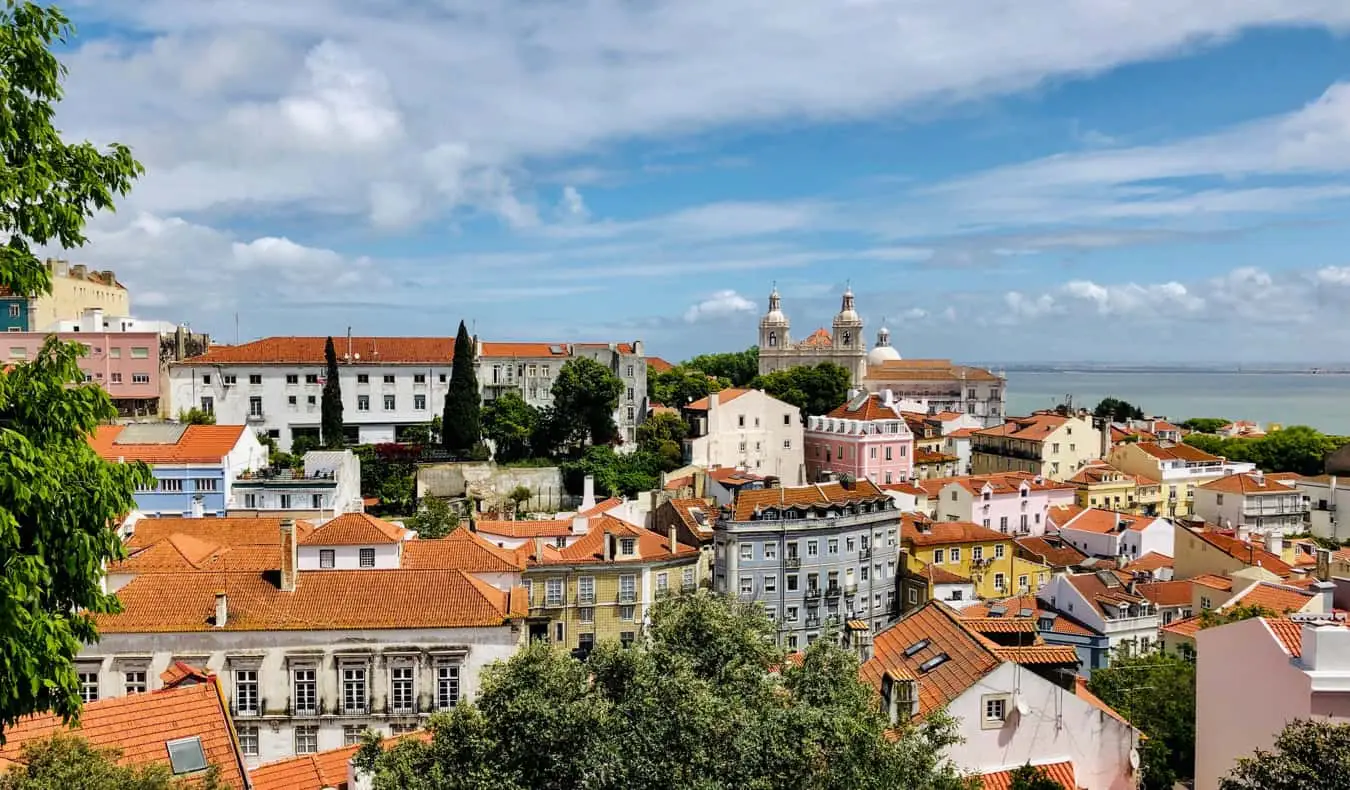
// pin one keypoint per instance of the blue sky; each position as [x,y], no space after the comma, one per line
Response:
[999,181]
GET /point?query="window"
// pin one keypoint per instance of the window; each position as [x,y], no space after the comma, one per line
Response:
[447,686]
[1023,582]
[888,452]
[306,692]
[285,501]
[787,419]
[316,501]
[186,755]
[116,353]
[248,740]
[367,558]
[939,556]
[627,588]
[292,378]
[255,406]
[354,698]
[740,421]
[13,311]
[998,552]
[143,352]
[208,402]
[747,551]
[246,692]
[995,710]
[790,614]
[812,548]
[628,546]
[135,681]
[306,740]
[228,379]
[687,578]
[206,484]
[311,400]
[291,401]
[747,585]
[1000,581]
[770,582]
[363,403]
[586,589]
[388,379]
[351,734]
[140,378]
[977,554]
[553,592]
[956,555]
[326,558]
[420,402]
[770,551]
[362,378]
[402,695]
[586,614]
[627,614]
[862,573]
[116,378]
[388,402]
[791,582]
[174,486]
[832,546]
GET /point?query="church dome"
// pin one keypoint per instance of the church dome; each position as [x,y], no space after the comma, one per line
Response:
[775,314]
[883,351]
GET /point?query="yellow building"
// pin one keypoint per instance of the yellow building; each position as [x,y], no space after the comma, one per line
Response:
[74,290]
[1177,468]
[959,548]
[1046,443]
[1101,485]
[597,583]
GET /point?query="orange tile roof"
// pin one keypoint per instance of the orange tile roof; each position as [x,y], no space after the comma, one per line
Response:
[1052,551]
[604,506]
[527,350]
[873,407]
[927,370]
[1288,633]
[908,488]
[141,724]
[819,495]
[939,575]
[1013,607]
[550,528]
[1000,625]
[1186,628]
[924,456]
[253,531]
[689,511]
[1168,451]
[676,483]
[1038,654]
[1250,484]
[1106,597]
[322,600]
[1060,773]
[318,771]
[920,530]
[1151,562]
[200,444]
[723,397]
[658,365]
[1101,521]
[462,550]
[1173,593]
[1081,690]
[354,529]
[1097,473]
[1276,598]
[1249,553]
[309,351]
[730,476]
[1035,428]
[1214,581]
[590,548]
[178,553]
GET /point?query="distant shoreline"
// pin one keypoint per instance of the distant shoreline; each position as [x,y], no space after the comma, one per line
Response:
[1338,370]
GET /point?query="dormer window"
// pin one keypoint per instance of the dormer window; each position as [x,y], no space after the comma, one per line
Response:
[367,558]
[628,546]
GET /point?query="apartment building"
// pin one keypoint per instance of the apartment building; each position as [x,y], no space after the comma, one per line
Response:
[970,551]
[125,364]
[1179,469]
[1108,602]
[1046,444]
[195,467]
[328,485]
[1101,485]
[814,556]
[1012,502]
[1256,501]
[1111,535]
[865,438]
[316,633]
[746,429]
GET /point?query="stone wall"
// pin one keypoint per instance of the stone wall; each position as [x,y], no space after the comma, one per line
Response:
[492,483]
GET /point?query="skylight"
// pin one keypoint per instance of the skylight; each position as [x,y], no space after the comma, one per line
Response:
[933,663]
[186,755]
[1024,613]
[916,647]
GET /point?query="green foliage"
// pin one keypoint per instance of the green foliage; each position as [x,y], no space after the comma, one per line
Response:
[415,434]
[510,423]
[389,471]
[1033,777]
[695,707]
[661,436]
[66,762]
[304,444]
[520,495]
[585,395]
[1166,713]
[1297,448]
[461,427]
[615,473]
[1308,755]
[682,385]
[1211,618]
[195,416]
[330,408]
[737,367]
[1204,424]
[436,519]
[1117,410]
[815,389]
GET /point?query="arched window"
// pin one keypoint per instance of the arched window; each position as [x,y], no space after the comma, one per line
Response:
[773,339]
[847,337]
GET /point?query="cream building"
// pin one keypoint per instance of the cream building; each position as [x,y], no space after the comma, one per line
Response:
[845,346]
[1047,444]
[746,429]
[1180,468]
[76,289]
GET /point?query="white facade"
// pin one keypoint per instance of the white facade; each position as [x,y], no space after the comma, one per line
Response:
[1133,623]
[329,486]
[1144,535]
[752,431]
[348,558]
[1058,726]
[1328,497]
[1276,507]
[93,319]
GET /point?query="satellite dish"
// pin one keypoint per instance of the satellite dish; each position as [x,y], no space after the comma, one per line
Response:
[1020,703]
[1134,759]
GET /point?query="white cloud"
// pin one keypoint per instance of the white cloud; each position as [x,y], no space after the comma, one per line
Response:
[721,305]
[571,206]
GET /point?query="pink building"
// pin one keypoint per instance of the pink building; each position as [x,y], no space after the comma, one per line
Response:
[126,364]
[1014,503]
[1255,676]
[865,438]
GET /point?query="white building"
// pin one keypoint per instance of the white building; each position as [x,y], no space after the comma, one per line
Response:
[1113,535]
[1016,699]
[1255,501]
[328,486]
[94,320]
[317,634]
[1255,676]
[1109,603]
[746,429]
[1328,496]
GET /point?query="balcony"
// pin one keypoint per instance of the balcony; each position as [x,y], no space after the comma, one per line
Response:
[248,713]
[317,708]
[628,597]
[812,594]
[255,417]
[850,589]
[812,622]
[357,708]
[865,553]
[586,599]
[553,602]
[833,591]
[792,562]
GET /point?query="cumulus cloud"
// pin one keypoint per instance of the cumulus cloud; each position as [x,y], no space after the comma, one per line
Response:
[571,206]
[719,306]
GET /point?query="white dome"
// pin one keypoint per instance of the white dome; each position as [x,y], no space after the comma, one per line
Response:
[882,354]
[774,317]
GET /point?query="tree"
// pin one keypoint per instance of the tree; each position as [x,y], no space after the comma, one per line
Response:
[1166,714]
[1033,777]
[661,427]
[435,520]
[1297,448]
[1308,755]
[57,496]
[304,444]
[1212,618]
[330,408]
[585,395]
[519,496]
[509,422]
[195,416]
[682,385]
[696,706]
[1204,424]
[1117,410]
[67,762]
[615,474]
[737,367]
[815,389]
[461,426]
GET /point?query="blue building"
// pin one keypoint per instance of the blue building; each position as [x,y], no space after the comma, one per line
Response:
[194,466]
[15,312]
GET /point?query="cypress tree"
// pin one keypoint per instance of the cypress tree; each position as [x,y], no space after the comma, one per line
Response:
[331,411]
[461,427]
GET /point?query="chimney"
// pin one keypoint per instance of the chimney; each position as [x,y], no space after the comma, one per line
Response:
[1326,593]
[198,507]
[587,493]
[609,547]
[1275,543]
[289,563]
[222,610]
[670,535]
[580,524]
[1244,533]
[539,548]
[1106,438]
[713,402]
[1259,477]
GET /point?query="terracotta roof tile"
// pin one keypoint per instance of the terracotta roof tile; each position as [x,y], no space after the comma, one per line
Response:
[999,484]
[590,548]
[1001,625]
[1288,633]
[205,444]
[697,515]
[873,407]
[939,575]
[1214,581]
[526,350]
[1276,598]
[1099,520]
[1168,451]
[920,530]
[1097,473]
[1173,593]
[723,397]
[818,495]
[1249,553]
[603,506]
[354,529]
[1250,484]
[908,488]
[1081,689]
[1106,596]
[969,656]
[550,528]
[1013,608]
[1029,655]
[234,532]
[927,370]
[1152,561]
[462,550]
[658,365]
[1052,551]
[731,477]
[326,769]
[1061,774]
[141,725]
[309,351]
[1035,428]
[924,456]
[1187,627]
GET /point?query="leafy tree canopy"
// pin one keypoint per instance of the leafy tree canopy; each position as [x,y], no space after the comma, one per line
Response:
[1117,410]
[1308,755]
[737,367]
[196,416]
[585,395]
[57,496]
[615,473]
[815,389]
[66,762]
[1166,713]
[510,423]
[461,428]
[682,385]
[1211,618]
[696,707]
[1204,424]
[436,519]
[1297,448]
